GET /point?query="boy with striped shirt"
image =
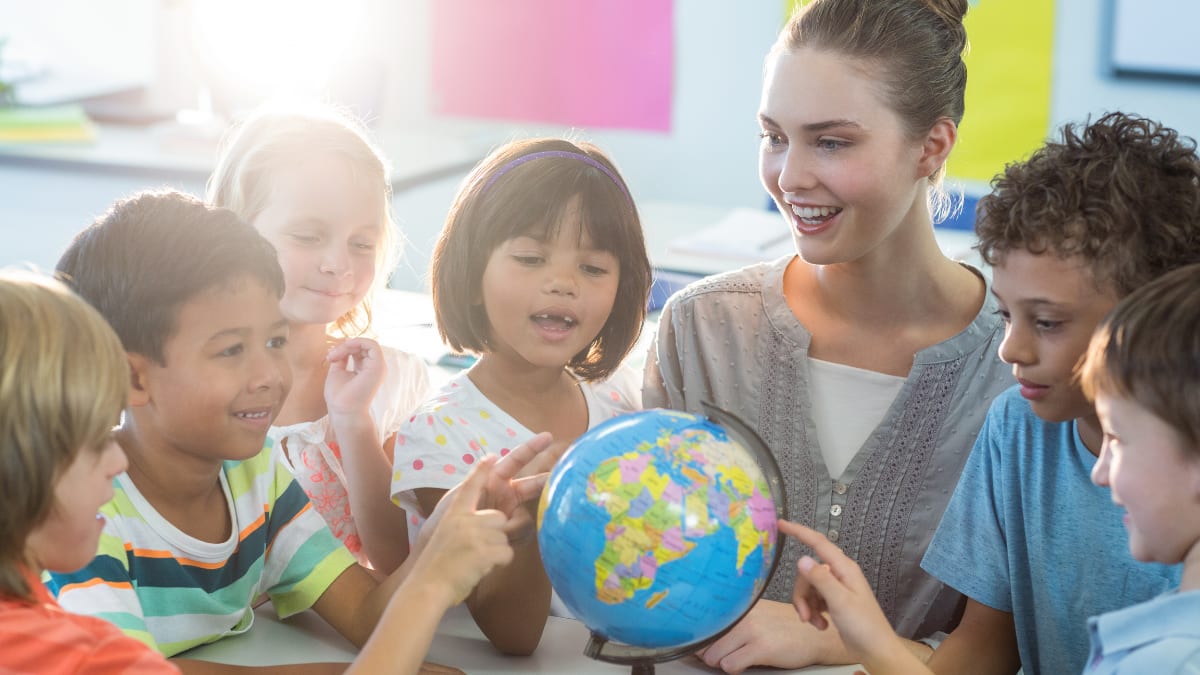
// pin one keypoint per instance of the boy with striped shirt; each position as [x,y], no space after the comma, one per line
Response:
[205,520]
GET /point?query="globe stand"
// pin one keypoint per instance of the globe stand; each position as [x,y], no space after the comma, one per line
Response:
[640,659]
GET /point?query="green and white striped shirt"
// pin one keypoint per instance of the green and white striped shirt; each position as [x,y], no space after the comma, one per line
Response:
[174,592]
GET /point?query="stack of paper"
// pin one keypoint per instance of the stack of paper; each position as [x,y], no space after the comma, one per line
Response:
[62,123]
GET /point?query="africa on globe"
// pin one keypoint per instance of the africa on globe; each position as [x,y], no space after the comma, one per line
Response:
[658,528]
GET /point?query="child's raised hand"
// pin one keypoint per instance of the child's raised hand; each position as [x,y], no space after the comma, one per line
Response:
[520,475]
[839,587]
[516,480]
[356,370]
[466,542]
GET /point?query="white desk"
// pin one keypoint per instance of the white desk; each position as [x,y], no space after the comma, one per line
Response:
[305,638]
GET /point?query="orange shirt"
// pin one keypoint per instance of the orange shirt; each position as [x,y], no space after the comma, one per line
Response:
[44,638]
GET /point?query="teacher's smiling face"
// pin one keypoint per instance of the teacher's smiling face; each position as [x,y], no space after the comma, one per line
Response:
[836,158]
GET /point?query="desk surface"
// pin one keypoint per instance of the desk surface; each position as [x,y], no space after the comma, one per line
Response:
[305,638]
[173,151]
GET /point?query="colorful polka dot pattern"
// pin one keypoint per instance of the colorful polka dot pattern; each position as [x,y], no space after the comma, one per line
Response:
[439,444]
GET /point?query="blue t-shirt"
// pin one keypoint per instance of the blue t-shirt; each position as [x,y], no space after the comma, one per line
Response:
[1027,532]
[1159,636]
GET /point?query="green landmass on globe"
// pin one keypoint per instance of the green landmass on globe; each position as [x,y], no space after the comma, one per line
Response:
[644,540]
[658,528]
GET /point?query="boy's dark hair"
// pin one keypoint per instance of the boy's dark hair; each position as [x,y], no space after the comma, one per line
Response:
[1122,193]
[153,252]
[1148,350]
[499,201]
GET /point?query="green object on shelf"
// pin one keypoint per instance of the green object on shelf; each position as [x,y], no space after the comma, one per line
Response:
[61,123]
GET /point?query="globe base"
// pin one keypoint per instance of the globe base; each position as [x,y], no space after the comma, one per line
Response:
[640,660]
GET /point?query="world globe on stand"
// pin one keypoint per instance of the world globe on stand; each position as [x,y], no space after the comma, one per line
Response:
[658,530]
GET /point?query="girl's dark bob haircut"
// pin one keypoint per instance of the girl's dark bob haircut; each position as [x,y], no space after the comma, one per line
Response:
[502,199]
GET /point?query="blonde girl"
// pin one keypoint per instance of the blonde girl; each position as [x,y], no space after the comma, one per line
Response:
[314,185]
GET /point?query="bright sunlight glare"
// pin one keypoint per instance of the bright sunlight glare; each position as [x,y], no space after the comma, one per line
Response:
[276,47]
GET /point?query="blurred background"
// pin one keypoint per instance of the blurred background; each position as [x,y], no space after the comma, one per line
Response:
[110,97]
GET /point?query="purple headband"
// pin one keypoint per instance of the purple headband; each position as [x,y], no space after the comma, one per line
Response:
[556,153]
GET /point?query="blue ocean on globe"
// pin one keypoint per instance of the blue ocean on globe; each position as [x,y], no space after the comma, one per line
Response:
[657,529]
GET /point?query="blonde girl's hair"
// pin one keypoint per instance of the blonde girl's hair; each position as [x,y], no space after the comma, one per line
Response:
[63,384]
[273,137]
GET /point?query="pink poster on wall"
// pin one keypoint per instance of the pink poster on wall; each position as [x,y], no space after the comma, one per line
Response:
[587,64]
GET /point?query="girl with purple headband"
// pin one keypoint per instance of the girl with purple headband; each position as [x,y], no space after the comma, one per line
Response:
[541,270]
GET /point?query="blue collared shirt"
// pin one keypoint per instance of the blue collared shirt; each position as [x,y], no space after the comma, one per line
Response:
[1158,636]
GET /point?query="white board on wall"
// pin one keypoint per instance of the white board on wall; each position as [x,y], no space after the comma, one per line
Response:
[1156,37]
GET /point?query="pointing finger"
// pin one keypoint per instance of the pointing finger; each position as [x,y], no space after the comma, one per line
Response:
[530,487]
[825,549]
[522,455]
[466,495]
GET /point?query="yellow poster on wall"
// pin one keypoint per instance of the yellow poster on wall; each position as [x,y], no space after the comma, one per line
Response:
[1008,84]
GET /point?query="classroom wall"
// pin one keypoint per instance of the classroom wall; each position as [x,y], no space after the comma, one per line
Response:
[710,154]
[1083,82]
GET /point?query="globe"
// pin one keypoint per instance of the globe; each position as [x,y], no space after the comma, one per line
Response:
[658,528]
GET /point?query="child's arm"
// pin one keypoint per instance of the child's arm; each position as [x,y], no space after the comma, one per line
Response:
[197,667]
[984,642]
[969,551]
[348,393]
[354,602]
[839,588]
[464,547]
[511,604]
[451,563]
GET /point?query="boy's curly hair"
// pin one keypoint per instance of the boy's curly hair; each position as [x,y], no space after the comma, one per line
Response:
[1123,193]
